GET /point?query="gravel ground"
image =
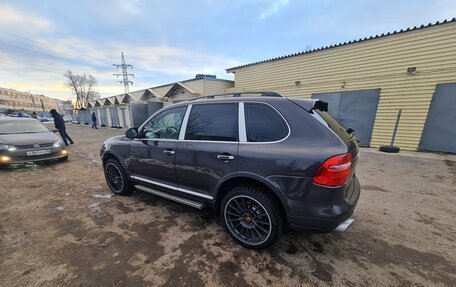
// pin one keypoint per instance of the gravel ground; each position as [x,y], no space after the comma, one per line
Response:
[61,226]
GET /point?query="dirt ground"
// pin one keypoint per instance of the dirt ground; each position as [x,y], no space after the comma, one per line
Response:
[59,226]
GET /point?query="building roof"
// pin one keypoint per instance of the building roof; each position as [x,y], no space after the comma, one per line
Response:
[194,79]
[175,87]
[344,44]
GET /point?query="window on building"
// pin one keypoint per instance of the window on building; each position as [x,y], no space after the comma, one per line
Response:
[263,123]
[213,122]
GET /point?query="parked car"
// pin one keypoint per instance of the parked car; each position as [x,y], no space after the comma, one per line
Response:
[262,162]
[27,140]
[45,119]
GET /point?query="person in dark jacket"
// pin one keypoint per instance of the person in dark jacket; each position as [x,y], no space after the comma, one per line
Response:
[94,121]
[59,124]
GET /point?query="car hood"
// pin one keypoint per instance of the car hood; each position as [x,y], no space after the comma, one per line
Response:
[28,139]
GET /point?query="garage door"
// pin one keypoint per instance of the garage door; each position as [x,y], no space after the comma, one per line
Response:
[124,117]
[353,109]
[103,118]
[439,132]
[114,117]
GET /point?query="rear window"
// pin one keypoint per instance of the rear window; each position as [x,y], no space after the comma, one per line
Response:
[263,124]
[334,125]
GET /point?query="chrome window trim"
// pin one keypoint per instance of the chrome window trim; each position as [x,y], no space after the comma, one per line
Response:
[241,122]
[184,123]
[171,187]
[271,142]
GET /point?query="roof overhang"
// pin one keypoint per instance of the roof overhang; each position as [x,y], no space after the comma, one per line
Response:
[113,100]
[176,87]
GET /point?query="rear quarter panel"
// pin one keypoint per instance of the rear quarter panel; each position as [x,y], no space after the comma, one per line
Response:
[289,165]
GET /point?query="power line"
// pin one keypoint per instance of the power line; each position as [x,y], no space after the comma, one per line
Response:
[75,53]
[44,54]
[126,83]
[11,63]
[21,60]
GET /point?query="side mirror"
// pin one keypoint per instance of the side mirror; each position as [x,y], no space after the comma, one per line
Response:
[132,133]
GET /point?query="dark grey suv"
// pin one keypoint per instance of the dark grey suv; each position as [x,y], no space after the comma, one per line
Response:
[263,161]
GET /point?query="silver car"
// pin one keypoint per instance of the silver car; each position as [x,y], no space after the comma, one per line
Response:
[27,140]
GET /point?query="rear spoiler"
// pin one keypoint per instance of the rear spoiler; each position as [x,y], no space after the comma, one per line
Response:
[320,105]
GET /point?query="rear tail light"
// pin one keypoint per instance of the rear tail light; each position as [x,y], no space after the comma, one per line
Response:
[335,171]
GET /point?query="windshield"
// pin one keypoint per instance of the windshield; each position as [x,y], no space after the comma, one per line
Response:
[17,127]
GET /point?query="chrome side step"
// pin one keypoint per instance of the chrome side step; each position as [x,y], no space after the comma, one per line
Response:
[179,199]
[344,225]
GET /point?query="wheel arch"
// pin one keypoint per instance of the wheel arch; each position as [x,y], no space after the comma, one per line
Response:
[249,180]
[111,155]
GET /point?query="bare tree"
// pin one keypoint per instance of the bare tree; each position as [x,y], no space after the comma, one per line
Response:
[83,87]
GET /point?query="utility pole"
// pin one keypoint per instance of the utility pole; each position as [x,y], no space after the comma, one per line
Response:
[125,82]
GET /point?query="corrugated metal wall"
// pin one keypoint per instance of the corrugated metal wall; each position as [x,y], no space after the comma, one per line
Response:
[209,87]
[377,63]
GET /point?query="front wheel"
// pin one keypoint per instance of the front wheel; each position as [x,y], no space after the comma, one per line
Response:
[251,217]
[116,178]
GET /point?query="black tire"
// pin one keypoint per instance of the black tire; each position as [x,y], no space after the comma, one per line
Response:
[116,178]
[389,149]
[65,158]
[251,217]
[3,166]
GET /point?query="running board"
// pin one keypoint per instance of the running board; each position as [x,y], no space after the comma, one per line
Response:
[176,198]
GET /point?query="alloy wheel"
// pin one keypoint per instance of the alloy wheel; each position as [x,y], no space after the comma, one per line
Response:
[114,177]
[248,220]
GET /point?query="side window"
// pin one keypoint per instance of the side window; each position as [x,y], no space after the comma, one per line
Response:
[165,125]
[213,122]
[263,123]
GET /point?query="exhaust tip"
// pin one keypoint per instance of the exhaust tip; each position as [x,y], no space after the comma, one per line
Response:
[344,225]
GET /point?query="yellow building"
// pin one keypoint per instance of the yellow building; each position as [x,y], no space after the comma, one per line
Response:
[11,99]
[378,76]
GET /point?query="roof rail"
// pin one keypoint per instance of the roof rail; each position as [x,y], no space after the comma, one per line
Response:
[239,94]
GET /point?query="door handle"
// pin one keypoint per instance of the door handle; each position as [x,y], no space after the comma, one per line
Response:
[225,157]
[169,152]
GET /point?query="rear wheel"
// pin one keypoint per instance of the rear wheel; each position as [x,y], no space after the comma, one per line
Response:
[116,178]
[251,217]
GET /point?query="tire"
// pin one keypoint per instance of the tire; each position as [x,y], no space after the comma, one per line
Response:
[251,217]
[3,166]
[116,178]
[65,158]
[389,149]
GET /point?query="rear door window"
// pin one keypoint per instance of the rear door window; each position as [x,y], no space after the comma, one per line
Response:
[213,122]
[263,123]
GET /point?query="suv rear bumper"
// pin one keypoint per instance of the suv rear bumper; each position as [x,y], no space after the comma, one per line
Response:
[328,221]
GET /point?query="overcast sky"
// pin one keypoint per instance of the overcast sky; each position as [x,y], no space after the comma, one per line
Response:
[170,40]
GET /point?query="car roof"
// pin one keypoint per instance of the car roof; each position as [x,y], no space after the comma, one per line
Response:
[307,103]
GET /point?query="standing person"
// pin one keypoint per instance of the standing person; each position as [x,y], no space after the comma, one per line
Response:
[94,121]
[59,124]
[34,115]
